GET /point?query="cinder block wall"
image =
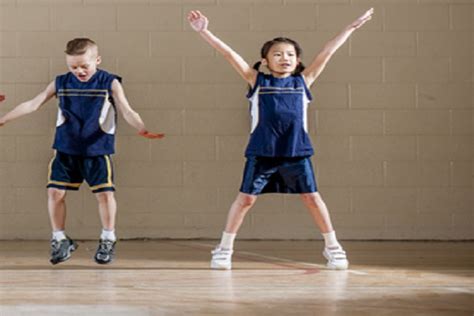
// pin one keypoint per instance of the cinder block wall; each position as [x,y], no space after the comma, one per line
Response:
[392,119]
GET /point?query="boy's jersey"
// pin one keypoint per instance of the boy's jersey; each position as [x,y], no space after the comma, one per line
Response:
[278,108]
[87,117]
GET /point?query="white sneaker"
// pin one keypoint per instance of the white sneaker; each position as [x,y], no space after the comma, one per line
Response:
[336,257]
[221,258]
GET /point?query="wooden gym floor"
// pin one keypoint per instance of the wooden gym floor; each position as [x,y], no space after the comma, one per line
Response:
[169,277]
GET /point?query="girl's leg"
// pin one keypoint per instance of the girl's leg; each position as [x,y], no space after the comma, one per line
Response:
[238,209]
[222,255]
[333,251]
[318,210]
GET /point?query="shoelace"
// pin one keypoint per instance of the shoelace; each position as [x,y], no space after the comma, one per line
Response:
[106,245]
[56,245]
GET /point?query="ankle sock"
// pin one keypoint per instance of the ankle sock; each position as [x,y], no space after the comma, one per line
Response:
[59,235]
[227,240]
[330,239]
[108,235]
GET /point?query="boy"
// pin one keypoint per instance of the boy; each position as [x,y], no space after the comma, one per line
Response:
[84,140]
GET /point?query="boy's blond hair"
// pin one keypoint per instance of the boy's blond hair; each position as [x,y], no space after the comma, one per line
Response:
[79,46]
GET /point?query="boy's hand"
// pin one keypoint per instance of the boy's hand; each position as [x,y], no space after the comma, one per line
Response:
[363,18]
[198,21]
[149,135]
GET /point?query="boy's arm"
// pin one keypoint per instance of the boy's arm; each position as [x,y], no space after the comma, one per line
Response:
[199,23]
[317,66]
[130,116]
[29,106]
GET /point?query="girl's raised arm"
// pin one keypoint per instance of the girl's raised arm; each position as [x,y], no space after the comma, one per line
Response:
[199,23]
[312,72]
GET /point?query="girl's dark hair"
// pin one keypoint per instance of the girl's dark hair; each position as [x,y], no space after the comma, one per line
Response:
[268,45]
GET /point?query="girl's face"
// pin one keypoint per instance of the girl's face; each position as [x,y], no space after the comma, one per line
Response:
[281,60]
[83,66]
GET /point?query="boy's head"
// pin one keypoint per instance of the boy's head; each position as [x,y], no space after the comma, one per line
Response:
[82,58]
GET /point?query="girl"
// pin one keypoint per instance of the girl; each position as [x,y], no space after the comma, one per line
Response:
[279,150]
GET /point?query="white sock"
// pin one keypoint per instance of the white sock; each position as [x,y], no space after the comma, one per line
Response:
[330,239]
[227,241]
[59,235]
[108,235]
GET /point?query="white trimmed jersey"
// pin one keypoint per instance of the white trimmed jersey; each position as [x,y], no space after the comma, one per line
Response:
[87,116]
[278,110]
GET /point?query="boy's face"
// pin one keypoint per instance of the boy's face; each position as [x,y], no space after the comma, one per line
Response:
[83,66]
[281,59]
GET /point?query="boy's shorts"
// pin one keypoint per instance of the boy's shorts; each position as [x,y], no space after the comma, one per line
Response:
[278,175]
[67,172]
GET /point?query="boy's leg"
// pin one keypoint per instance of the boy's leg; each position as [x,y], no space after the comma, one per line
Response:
[57,208]
[107,211]
[61,245]
[222,255]
[63,175]
[333,251]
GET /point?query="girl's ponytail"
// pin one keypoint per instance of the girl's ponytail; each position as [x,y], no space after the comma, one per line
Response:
[299,69]
[256,66]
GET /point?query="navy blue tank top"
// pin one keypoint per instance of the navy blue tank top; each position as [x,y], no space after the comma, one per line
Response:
[86,116]
[278,109]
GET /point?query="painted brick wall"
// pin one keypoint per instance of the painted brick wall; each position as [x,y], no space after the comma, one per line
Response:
[392,119]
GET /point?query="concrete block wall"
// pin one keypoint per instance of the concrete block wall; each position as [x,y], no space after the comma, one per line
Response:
[392,117]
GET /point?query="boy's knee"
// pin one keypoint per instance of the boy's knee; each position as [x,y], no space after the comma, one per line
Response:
[105,197]
[56,195]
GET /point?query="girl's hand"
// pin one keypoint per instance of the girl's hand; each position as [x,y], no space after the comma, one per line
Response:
[198,21]
[362,19]
[149,135]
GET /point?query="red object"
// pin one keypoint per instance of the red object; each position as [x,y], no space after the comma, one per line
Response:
[2,97]
[149,135]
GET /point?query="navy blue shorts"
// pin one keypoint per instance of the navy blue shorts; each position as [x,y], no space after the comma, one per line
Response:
[278,175]
[67,172]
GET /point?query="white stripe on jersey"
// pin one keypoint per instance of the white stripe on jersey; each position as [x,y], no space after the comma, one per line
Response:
[254,110]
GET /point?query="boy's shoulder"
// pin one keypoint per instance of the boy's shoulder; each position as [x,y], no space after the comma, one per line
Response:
[100,76]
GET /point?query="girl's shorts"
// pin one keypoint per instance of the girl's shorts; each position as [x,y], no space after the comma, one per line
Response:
[278,175]
[67,172]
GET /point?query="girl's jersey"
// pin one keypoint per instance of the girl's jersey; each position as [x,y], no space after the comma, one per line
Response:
[87,117]
[278,108]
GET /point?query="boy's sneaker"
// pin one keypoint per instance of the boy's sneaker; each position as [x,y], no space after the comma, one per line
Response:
[105,252]
[221,259]
[336,256]
[61,250]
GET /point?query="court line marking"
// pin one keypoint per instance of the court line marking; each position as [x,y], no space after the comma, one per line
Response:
[314,265]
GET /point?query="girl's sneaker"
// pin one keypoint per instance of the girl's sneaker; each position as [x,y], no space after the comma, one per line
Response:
[61,250]
[221,259]
[336,256]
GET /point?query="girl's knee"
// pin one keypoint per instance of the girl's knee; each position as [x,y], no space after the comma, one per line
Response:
[313,199]
[246,200]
